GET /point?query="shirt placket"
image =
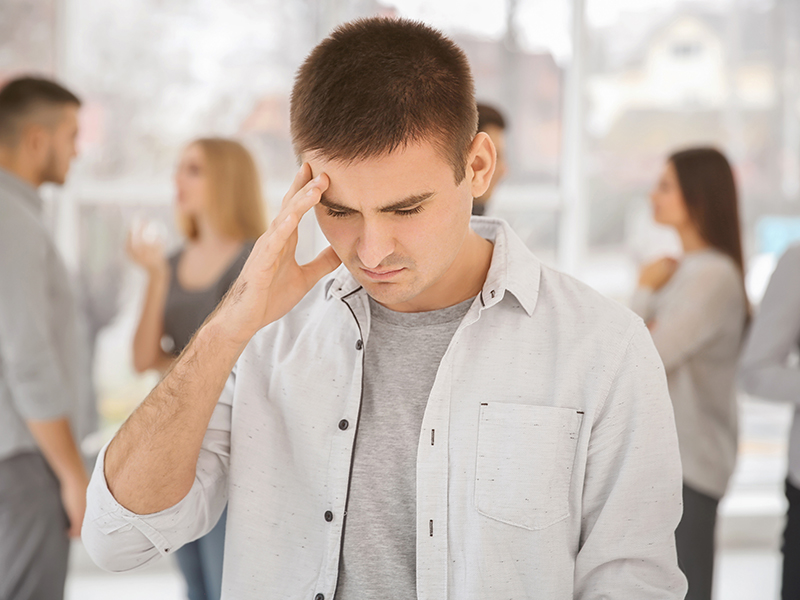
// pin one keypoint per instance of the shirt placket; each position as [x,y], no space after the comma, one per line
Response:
[342,447]
[433,479]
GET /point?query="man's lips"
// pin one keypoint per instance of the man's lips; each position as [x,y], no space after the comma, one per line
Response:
[381,275]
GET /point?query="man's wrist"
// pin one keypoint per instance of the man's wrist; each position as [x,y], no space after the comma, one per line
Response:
[217,333]
[72,475]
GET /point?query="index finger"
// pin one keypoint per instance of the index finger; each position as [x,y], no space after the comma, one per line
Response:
[303,199]
[302,177]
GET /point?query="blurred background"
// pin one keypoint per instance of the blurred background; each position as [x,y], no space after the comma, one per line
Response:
[596,94]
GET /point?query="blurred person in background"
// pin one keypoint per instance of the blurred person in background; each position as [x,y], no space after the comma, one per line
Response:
[42,476]
[220,212]
[491,122]
[768,371]
[696,309]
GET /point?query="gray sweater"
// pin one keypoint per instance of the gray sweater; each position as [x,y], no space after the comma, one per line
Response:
[767,369]
[697,321]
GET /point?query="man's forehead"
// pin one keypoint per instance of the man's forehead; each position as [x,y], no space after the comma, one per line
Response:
[428,152]
[381,181]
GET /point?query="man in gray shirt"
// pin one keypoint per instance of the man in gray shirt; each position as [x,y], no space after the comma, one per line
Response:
[766,370]
[42,477]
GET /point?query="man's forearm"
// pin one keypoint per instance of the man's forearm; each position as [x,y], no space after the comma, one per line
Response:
[150,465]
[55,440]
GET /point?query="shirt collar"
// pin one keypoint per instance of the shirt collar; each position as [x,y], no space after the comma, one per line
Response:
[513,268]
[20,189]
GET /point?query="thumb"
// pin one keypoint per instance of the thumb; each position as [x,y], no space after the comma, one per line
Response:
[325,262]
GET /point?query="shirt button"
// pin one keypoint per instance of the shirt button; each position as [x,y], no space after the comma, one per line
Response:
[359,344]
[343,424]
[328,516]
[319,597]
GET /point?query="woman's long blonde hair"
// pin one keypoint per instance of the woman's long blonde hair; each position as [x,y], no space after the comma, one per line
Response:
[235,202]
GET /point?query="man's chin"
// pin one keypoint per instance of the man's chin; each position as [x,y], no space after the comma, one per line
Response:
[393,291]
[388,293]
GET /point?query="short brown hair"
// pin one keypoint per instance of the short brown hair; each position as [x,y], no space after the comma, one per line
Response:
[376,85]
[489,115]
[235,203]
[22,98]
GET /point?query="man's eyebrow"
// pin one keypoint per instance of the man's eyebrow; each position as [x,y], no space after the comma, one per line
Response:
[400,205]
[333,205]
[406,202]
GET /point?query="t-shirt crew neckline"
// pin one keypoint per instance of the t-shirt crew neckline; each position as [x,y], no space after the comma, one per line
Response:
[449,314]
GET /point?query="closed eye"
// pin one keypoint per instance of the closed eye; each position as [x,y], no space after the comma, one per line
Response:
[409,212]
[337,213]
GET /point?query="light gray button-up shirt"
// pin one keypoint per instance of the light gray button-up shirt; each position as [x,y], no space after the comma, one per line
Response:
[547,464]
[39,354]
[767,369]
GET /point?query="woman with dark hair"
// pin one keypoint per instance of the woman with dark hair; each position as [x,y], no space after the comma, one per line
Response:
[696,309]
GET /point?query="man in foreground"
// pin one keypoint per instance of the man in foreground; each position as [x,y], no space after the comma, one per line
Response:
[442,418]
[42,477]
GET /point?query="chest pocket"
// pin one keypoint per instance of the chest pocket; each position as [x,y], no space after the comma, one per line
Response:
[524,464]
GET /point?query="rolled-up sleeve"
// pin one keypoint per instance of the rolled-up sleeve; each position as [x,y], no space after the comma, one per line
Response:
[120,540]
[30,365]
[632,499]
[764,369]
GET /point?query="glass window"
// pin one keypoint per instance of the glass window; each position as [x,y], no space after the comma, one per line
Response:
[660,76]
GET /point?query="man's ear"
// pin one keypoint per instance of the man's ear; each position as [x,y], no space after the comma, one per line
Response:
[481,162]
[33,139]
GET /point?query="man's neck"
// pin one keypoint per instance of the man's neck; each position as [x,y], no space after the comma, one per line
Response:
[475,268]
[11,161]
[464,279]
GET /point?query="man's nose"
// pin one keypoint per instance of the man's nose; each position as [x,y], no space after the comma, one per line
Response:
[375,244]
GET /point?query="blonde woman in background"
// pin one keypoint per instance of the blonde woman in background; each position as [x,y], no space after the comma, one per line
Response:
[220,214]
[696,309]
